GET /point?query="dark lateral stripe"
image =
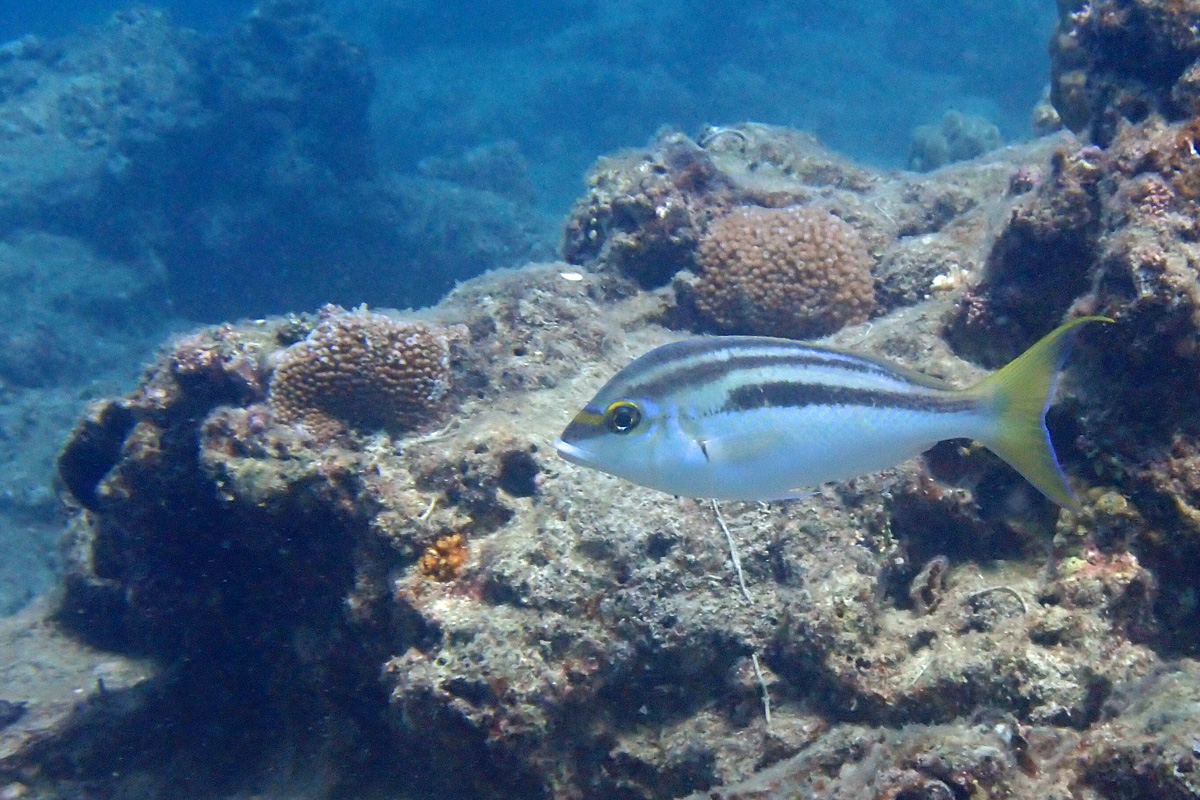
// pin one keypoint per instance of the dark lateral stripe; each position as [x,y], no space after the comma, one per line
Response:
[788,394]
[669,358]
[699,372]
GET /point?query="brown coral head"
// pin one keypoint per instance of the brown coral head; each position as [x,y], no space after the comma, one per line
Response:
[364,371]
[794,272]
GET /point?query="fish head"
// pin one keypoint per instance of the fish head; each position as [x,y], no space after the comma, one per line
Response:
[630,437]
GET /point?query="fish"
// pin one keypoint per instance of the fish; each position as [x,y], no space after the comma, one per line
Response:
[761,418]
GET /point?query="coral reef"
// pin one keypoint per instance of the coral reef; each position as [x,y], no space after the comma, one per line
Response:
[1113,231]
[354,565]
[647,213]
[363,370]
[957,138]
[593,640]
[791,272]
[1117,62]
[423,599]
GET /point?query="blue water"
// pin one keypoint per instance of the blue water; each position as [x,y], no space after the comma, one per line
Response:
[569,80]
[21,18]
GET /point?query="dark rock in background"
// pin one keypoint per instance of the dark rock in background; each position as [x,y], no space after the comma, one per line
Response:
[959,137]
[72,109]
[77,325]
[243,163]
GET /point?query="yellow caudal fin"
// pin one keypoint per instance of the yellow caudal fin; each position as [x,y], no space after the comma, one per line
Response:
[1020,393]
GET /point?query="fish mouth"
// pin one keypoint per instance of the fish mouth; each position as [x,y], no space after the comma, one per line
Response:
[576,455]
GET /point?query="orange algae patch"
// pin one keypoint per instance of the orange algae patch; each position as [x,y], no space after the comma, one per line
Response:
[444,560]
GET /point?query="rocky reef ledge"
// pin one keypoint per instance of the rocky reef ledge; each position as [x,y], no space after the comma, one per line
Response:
[333,554]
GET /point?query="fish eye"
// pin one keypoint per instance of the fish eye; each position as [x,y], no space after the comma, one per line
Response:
[622,416]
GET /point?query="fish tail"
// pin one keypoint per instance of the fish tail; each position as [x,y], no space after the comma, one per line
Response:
[1019,395]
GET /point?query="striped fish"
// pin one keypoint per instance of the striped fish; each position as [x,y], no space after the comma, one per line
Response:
[756,418]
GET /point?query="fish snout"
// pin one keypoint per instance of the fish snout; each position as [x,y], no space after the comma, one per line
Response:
[571,452]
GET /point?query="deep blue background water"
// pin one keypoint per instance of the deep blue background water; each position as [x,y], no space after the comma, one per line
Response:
[569,80]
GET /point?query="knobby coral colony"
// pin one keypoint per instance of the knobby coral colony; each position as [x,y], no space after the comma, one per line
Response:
[364,371]
[791,272]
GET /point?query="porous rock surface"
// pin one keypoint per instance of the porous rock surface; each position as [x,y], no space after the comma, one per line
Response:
[1120,62]
[65,704]
[1113,232]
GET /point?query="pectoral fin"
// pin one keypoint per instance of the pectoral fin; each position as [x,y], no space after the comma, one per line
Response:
[740,448]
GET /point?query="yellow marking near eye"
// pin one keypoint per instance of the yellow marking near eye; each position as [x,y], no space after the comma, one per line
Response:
[612,407]
[622,416]
[589,418]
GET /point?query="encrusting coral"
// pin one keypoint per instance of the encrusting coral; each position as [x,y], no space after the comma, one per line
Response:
[793,272]
[364,371]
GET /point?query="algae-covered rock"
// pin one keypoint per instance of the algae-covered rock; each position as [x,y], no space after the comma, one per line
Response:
[1116,62]
[1113,232]
[663,212]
